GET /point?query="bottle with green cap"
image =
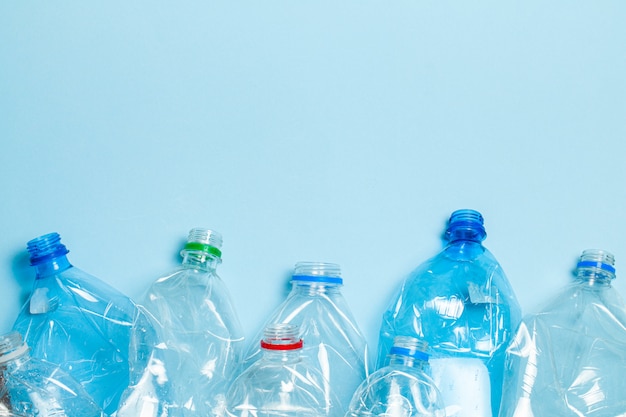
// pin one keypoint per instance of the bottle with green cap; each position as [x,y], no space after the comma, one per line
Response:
[184,366]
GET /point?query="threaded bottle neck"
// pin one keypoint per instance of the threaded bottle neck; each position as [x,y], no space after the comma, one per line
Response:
[281,337]
[321,273]
[48,254]
[12,347]
[467,225]
[408,351]
[203,248]
[596,266]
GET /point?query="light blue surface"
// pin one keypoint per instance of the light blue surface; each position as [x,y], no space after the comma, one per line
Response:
[314,131]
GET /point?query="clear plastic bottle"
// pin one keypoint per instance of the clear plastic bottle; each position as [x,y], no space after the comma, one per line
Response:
[281,383]
[334,343]
[78,322]
[569,359]
[185,366]
[34,388]
[402,388]
[461,303]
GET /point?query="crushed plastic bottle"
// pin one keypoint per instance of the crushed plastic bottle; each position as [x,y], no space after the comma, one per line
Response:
[281,383]
[334,343]
[34,388]
[184,366]
[569,359]
[461,303]
[402,388]
[78,322]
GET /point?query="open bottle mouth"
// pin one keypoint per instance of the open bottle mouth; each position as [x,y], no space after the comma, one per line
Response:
[203,241]
[466,224]
[321,272]
[410,346]
[596,263]
[45,248]
[281,336]
[11,346]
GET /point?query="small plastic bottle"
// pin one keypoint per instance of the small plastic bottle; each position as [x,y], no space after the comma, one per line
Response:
[34,388]
[460,303]
[281,383]
[569,359]
[402,388]
[185,366]
[334,342]
[78,322]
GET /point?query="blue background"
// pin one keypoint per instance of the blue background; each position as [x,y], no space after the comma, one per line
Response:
[344,132]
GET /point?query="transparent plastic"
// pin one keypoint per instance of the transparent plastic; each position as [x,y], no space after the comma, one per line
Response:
[281,383]
[569,359]
[78,322]
[36,388]
[334,343]
[184,367]
[462,304]
[402,388]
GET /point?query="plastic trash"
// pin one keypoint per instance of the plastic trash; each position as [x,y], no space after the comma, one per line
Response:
[402,388]
[33,388]
[281,383]
[334,343]
[569,359]
[461,303]
[78,322]
[184,366]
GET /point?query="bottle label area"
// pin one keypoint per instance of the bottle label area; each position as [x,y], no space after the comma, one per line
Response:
[465,386]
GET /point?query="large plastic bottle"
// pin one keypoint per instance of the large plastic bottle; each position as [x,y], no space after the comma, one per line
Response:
[78,322]
[34,388]
[185,366]
[569,359]
[461,303]
[334,343]
[402,388]
[282,383]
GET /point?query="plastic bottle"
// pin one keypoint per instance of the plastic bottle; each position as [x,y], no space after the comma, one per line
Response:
[334,343]
[462,304]
[78,322]
[35,388]
[185,366]
[281,383]
[402,388]
[569,359]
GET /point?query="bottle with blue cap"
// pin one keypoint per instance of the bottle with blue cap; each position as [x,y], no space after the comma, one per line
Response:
[78,322]
[334,342]
[401,388]
[184,366]
[461,303]
[569,358]
[30,387]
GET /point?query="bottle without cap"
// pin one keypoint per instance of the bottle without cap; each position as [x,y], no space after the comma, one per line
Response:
[402,388]
[334,342]
[461,303]
[184,367]
[78,322]
[34,388]
[281,382]
[569,359]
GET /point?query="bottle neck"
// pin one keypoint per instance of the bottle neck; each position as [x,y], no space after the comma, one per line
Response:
[596,268]
[282,356]
[52,267]
[312,288]
[403,360]
[200,260]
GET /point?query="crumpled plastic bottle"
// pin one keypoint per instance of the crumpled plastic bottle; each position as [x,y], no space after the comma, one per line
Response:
[281,383]
[461,303]
[334,343]
[569,359]
[78,322]
[183,363]
[402,388]
[34,388]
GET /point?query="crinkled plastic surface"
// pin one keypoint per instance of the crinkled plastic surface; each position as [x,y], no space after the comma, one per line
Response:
[333,344]
[281,385]
[80,323]
[184,365]
[34,388]
[570,358]
[397,390]
[462,304]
